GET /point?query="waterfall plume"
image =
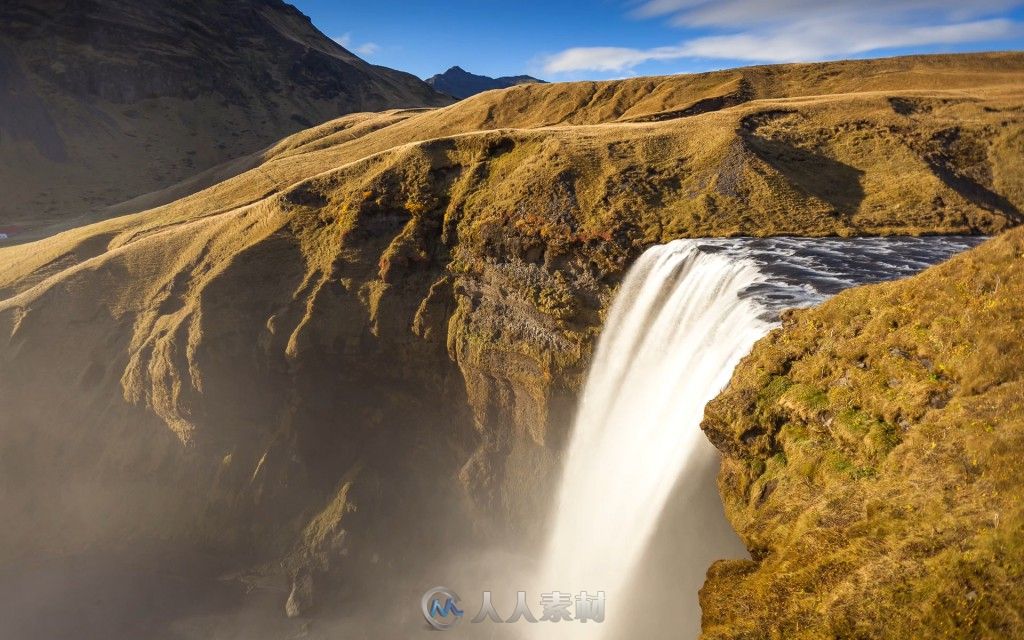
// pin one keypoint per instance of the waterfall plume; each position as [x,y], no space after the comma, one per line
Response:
[685,315]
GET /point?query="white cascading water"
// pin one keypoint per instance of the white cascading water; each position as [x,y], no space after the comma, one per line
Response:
[675,332]
[685,315]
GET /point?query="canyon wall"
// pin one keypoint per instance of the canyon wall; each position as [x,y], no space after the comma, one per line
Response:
[289,368]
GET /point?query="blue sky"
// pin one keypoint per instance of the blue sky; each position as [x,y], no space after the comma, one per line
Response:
[596,39]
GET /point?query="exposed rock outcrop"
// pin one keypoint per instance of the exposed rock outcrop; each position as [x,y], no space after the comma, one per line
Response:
[291,366]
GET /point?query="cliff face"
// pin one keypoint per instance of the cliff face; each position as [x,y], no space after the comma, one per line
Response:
[103,100]
[291,366]
[872,465]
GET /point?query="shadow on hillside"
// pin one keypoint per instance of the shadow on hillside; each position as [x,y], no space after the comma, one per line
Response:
[825,178]
[954,153]
[972,191]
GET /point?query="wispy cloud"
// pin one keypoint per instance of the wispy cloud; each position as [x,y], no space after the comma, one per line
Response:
[799,30]
[367,48]
[364,49]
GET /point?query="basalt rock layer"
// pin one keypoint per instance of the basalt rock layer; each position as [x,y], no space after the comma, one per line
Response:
[370,344]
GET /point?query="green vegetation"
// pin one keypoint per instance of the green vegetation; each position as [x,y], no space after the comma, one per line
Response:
[898,511]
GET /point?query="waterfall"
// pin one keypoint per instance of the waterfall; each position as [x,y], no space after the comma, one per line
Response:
[675,331]
[685,315]
[636,513]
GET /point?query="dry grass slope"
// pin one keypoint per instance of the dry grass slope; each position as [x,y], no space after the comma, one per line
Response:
[105,100]
[405,301]
[873,463]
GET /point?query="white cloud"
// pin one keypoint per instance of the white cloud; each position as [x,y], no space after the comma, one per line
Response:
[744,13]
[606,58]
[799,30]
[365,49]
[809,40]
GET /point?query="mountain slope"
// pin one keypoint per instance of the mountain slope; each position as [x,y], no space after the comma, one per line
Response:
[103,100]
[289,367]
[460,83]
[872,462]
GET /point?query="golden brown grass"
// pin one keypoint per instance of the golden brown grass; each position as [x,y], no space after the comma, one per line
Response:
[416,294]
[872,462]
[908,145]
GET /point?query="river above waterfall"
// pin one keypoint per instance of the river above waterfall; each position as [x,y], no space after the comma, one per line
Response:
[685,315]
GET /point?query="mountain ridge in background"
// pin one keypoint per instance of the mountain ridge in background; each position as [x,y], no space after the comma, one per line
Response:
[105,100]
[459,83]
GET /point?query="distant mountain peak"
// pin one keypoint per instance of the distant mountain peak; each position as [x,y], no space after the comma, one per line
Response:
[460,83]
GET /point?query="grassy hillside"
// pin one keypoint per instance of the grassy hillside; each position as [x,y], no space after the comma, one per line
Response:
[873,462]
[902,145]
[105,100]
[286,367]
